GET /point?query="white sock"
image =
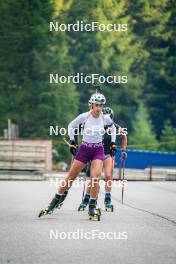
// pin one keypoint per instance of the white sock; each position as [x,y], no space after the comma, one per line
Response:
[59,193]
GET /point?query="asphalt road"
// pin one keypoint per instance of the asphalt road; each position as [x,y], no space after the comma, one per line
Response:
[143,230]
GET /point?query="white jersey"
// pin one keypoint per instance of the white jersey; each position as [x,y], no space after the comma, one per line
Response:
[93,127]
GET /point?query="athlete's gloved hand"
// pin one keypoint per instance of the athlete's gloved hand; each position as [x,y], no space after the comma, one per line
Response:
[113,149]
[73,147]
[124,155]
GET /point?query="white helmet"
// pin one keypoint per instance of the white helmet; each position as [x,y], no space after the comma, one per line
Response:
[97,98]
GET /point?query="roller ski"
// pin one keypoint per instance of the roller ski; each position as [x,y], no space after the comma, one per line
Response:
[108,206]
[56,202]
[94,212]
[85,202]
[82,207]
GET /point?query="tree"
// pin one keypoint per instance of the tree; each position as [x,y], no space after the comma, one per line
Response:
[28,53]
[154,25]
[143,133]
[168,134]
[106,53]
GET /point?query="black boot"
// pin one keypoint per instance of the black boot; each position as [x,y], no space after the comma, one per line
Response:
[53,204]
[62,198]
[94,213]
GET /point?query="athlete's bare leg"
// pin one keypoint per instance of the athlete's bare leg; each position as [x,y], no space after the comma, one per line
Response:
[107,165]
[75,169]
[96,169]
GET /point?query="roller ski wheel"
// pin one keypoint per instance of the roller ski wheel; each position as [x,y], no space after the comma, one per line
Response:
[94,217]
[94,214]
[109,208]
[55,203]
[99,210]
[82,207]
[59,206]
[44,212]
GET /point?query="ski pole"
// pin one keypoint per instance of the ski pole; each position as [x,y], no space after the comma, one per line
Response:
[70,166]
[84,188]
[113,164]
[122,175]
[68,144]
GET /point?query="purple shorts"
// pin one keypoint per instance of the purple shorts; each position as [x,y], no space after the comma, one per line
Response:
[90,151]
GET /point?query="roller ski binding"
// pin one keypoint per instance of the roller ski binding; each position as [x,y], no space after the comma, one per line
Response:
[94,213]
[82,207]
[108,206]
[55,203]
[84,203]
